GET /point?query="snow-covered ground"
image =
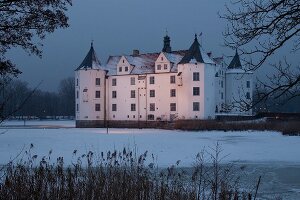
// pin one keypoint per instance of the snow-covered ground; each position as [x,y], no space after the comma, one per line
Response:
[167,146]
[270,154]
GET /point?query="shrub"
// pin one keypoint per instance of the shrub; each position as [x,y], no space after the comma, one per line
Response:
[120,175]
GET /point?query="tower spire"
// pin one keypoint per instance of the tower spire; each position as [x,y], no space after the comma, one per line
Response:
[167,43]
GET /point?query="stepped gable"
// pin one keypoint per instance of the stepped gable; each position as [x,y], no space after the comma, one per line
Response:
[90,61]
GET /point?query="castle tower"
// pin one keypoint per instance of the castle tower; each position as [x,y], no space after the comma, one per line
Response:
[197,91]
[239,88]
[90,91]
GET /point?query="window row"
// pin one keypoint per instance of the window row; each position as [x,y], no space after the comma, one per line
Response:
[97,94]
[133,93]
[196,107]
[133,107]
[151,80]
[196,77]
[159,66]
[196,92]
[125,69]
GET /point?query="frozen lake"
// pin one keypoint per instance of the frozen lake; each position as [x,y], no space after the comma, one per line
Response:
[270,154]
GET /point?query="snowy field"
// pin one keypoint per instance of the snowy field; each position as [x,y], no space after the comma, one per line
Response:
[167,146]
[270,154]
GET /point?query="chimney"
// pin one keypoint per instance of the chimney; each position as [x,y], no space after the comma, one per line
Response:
[135,52]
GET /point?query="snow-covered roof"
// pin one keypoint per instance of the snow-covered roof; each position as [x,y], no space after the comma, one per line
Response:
[173,57]
[144,63]
[90,61]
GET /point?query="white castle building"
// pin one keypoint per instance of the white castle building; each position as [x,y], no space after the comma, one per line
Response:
[166,86]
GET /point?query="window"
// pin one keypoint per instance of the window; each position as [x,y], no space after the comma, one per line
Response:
[172,106]
[173,93]
[114,107]
[150,117]
[77,107]
[161,58]
[98,81]
[158,67]
[126,69]
[132,94]
[77,94]
[133,107]
[165,66]
[120,69]
[151,79]
[114,82]
[196,76]
[172,79]
[196,91]
[97,94]
[123,61]
[97,107]
[248,95]
[196,106]
[85,95]
[222,84]
[152,93]
[132,81]
[114,94]
[77,82]
[222,95]
[152,106]
[248,84]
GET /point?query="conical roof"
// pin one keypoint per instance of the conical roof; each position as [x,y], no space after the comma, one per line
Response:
[90,61]
[236,62]
[195,52]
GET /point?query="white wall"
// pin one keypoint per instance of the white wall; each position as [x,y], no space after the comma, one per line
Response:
[236,91]
[86,103]
[142,87]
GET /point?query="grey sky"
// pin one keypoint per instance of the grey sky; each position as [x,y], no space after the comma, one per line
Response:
[119,26]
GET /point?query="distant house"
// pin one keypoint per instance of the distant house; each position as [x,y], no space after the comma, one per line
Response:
[165,86]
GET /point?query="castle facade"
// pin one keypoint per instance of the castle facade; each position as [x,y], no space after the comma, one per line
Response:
[164,86]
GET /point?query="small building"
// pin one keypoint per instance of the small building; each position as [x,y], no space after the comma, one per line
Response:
[163,86]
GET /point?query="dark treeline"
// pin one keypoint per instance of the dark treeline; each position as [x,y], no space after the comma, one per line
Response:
[284,104]
[22,101]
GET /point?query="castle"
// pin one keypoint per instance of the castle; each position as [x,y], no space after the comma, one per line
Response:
[165,86]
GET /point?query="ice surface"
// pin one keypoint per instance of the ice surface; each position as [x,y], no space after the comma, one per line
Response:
[167,146]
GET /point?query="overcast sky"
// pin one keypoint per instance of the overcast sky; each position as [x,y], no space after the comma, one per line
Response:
[119,26]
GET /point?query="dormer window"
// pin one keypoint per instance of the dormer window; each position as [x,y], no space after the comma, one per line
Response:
[120,69]
[126,69]
[158,67]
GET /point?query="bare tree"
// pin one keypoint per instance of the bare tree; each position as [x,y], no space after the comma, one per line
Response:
[260,28]
[67,96]
[22,22]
